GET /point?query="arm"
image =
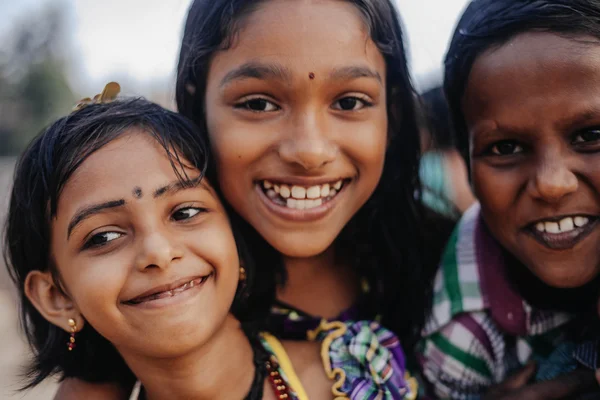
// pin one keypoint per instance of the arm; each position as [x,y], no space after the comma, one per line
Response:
[75,389]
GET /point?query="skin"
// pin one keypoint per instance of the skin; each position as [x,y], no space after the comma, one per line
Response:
[533,116]
[533,113]
[295,129]
[302,133]
[175,349]
[148,242]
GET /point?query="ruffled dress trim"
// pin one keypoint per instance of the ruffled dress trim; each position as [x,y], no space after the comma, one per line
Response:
[364,360]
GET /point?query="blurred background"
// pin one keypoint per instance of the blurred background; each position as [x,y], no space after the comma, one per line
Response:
[54,52]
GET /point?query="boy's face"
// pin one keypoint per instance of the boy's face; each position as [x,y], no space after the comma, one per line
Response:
[151,265]
[532,108]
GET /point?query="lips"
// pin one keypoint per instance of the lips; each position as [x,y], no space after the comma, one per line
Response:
[166,291]
[562,233]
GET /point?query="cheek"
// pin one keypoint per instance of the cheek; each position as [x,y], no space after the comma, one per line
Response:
[214,244]
[496,190]
[95,286]
[366,143]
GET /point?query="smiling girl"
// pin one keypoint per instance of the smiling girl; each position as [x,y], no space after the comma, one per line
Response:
[136,261]
[522,80]
[136,250]
[310,114]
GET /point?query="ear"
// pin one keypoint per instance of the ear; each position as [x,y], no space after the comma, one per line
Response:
[50,301]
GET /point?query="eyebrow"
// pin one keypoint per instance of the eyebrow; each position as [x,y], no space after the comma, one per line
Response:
[354,72]
[258,70]
[93,209]
[178,185]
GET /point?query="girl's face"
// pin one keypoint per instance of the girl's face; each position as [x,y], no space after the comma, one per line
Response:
[533,111]
[296,111]
[150,264]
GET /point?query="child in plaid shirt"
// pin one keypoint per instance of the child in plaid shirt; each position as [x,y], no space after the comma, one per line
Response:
[522,79]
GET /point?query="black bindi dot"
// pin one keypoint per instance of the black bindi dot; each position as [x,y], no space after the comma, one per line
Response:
[137,192]
[311,75]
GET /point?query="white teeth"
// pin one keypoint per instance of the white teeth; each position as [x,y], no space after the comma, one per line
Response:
[581,221]
[298,192]
[300,197]
[566,224]
[284,191]
[191,284]
[300,204]
[303,204]
[552,227]
[313,192]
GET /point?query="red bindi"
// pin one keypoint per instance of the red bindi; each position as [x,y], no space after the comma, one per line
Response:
[311,75]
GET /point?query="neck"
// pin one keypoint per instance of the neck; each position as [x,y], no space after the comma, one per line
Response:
[203,373]
[313,279]
[540,295]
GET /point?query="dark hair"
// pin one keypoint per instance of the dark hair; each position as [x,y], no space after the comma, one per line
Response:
[41,173]
[386,240]
[486,24]
[436,118]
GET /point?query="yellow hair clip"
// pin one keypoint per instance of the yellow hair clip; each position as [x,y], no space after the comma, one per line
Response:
[109,94]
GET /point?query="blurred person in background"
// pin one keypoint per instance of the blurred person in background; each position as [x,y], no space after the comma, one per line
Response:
[442,170]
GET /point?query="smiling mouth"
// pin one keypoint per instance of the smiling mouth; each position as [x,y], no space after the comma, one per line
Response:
[194,283]
[298,197]
[562,233]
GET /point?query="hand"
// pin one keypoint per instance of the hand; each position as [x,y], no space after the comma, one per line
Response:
[564,387]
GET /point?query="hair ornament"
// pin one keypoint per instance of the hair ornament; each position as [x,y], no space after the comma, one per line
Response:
[109,94]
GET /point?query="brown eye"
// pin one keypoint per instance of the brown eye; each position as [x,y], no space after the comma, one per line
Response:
[102,239]
[505,148]
[186,213]
[351,104]
[258,104]
[592,135]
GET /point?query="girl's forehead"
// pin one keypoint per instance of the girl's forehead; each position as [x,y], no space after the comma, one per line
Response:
[307,36]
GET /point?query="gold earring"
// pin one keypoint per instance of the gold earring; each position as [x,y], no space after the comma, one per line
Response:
[71,342]
[242,274]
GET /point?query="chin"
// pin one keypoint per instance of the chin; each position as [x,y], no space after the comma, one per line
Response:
[301,247]
[564,277]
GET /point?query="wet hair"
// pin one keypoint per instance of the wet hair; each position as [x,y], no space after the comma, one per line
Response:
[41,174]
[436,118]
[488,24]
[386,241]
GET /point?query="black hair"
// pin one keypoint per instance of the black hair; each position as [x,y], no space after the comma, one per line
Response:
[436,118]
[387,240]
[487,24]
[41,173]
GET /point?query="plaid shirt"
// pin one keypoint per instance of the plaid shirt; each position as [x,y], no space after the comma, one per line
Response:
[480,328]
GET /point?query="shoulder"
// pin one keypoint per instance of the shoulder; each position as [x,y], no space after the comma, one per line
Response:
[457,285]
[464,356]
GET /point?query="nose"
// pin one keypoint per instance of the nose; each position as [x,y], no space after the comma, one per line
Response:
[308,143]
[553,179]
[156,250]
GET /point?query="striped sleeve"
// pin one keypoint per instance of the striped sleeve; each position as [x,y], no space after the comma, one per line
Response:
[459,359]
